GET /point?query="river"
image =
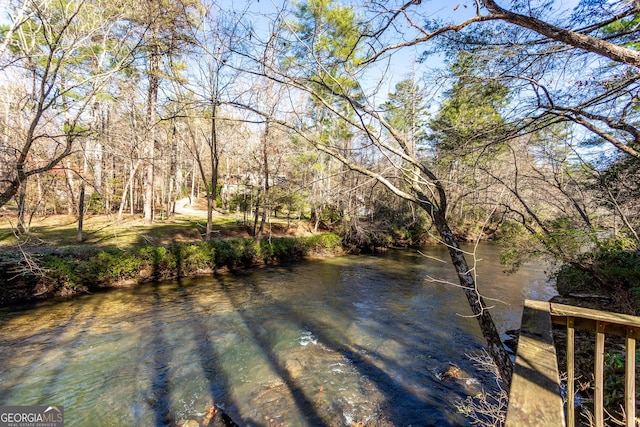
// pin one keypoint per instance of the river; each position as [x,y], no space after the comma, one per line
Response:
[327,342]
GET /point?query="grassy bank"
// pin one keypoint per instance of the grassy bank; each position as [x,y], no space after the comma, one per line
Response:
[48,262]
[66,271]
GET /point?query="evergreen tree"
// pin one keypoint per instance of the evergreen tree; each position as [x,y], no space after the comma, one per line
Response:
[406,111]
[466,134]
[470,116]
[323,48]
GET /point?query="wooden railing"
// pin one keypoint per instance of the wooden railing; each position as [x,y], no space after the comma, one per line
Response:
[535,399]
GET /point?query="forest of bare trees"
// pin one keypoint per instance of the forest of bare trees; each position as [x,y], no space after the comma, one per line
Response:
[516,120]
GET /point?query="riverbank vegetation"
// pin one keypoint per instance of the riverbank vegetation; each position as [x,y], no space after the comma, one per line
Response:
[52,264]
[527,133]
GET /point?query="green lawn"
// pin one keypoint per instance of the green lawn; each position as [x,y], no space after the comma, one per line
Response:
[105,231]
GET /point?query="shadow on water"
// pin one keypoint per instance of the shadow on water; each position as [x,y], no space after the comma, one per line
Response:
[159,397]
[208,357]
[163,346]
[160,351]
[69,347]
[402,405]
[50,345]
[410,394]
[302,402]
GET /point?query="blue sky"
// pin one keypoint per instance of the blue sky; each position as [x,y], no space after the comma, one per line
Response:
[403,62]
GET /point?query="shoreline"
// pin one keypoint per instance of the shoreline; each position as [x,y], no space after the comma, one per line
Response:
[61,273]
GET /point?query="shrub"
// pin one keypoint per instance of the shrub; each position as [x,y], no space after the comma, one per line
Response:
[88,268]
[266,250]
[282,249]
[323,242]
[61,271]
[612,260]
[222,253]
[115,265]
[245,251]
[193,257]
[233,253]
[162,260]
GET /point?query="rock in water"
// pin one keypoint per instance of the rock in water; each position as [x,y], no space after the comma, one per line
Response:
[453,372]
[215,417]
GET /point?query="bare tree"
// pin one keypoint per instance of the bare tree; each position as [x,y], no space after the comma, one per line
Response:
[397,166]
[214,82]
[53,52]
[18,15]
[578,67]
[165,27]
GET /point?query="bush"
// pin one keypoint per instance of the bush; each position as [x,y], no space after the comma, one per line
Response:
[109,266]
[223,254]
[322,242]
[92,269]
[96,204]
[613,261]
[233,253]
[281,249]
[61,271]
[622,270]
[194,257]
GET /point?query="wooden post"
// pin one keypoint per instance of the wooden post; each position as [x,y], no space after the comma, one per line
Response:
[598,369]
[571,372]
[630,378]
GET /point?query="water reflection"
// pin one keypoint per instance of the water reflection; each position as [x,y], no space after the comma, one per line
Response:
[322,343]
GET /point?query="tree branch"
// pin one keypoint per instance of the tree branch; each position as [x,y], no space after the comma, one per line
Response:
[578,40]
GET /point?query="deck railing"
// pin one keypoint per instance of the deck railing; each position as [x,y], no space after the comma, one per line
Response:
[535,397]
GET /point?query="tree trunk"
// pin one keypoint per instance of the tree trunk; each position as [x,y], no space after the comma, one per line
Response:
[133,196]
[150,142]
[254,212]
[176,178]
[148,182]
[602,47]
[79,238]
[85,172]
[71,200]
[22,195]
[265,185]
[193,183]
[215,162]
[495,346]
[127,188]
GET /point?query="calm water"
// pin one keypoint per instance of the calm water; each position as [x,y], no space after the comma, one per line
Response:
[320,343]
